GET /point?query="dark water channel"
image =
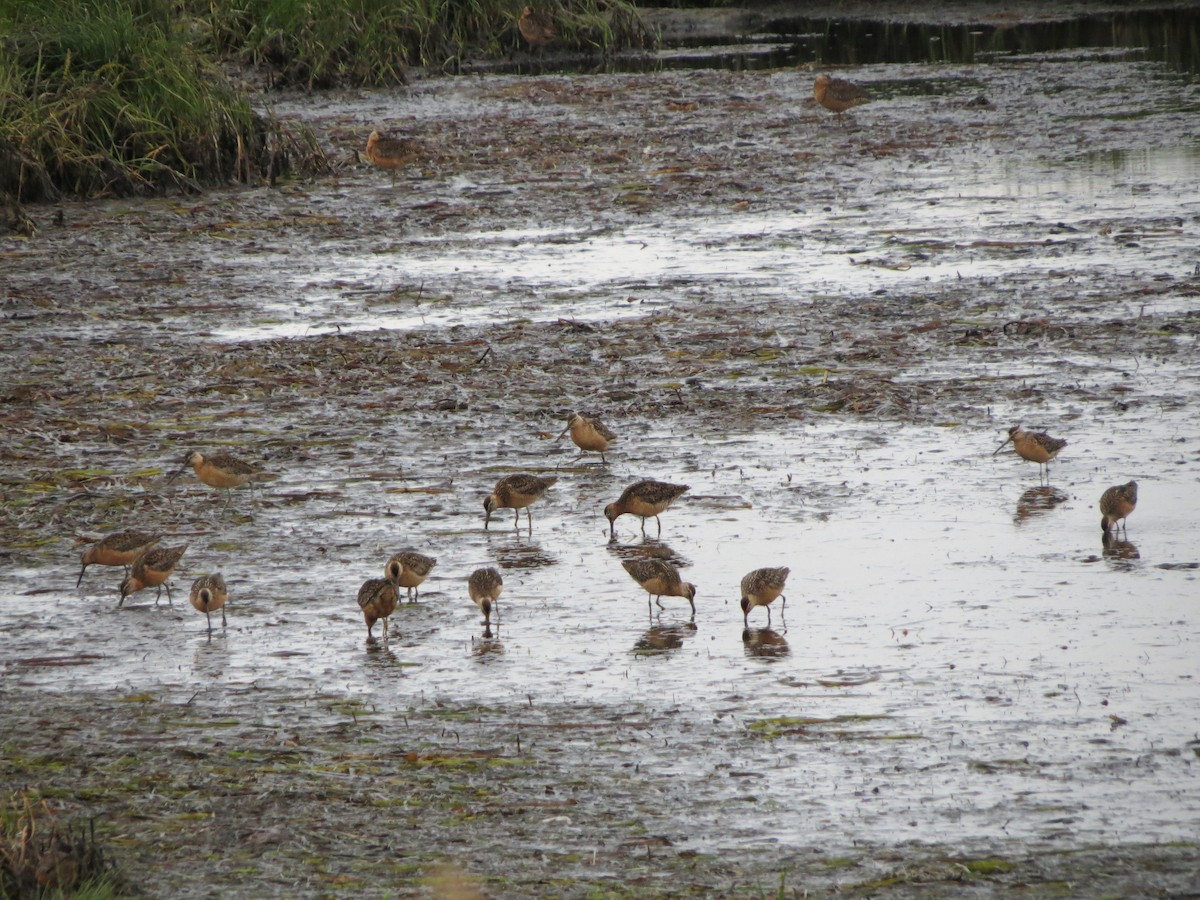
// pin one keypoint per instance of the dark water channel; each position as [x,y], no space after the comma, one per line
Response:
[769,40]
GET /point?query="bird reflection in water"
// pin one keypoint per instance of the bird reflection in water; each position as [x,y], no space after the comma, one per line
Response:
[487,646]
[765,643]
[664,638]
[1036,501]
[211,658]
[1116,548]
[380,655]
[648,548]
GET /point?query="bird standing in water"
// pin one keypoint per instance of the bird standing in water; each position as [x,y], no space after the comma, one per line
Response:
[645,499]
[152,568]
[589,434]
[389,153]
[408,569]
[760,588]
[377,599]
[118,549]
[223,471]
[838,94]
[208,595]
[660,579]
[1034,446]
[517,492]
[1116,504]
[485,586]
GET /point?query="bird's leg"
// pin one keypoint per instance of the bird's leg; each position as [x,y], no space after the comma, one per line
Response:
[659,521]
[208,617]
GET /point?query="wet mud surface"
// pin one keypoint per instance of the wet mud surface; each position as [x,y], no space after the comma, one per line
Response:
[824,326]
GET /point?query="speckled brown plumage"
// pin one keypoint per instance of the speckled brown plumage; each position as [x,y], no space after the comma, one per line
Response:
[660,579]
[589,434]
[1034,446]
[536,27]
[517,492]
[646,499]
[118,549]
[208,595]
[838,94]
[408,569]
[1116,504]
[389,153]
[377,598]
[485,586]
[152,568]
[760,588]
[223,471]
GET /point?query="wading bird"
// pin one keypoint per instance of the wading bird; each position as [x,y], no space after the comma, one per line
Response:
[223,471]
[660,579]
[1033,446]
[208,595]
[646,499]
[152,568]
[407,569]
[517,492]
[485,586]
[589,434]
[377,599]
[536,27]
[118,549]
[760,588]
[389,153]
[838,94]
[1116,504]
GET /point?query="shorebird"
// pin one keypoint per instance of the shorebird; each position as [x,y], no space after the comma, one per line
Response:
[377,599]
[660,579]
[517,492]
[152,568]
[1116,504]
[389,153]
[644,498]
[589,434]
[760,588]
[1033,446]
[208,595]
[407,569]
[838,94]
[536,27]
[485,586]
[118,549]
[223,471]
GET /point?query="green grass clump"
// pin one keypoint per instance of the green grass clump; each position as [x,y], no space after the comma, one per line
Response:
[323,43]
[108,98]
[40,856]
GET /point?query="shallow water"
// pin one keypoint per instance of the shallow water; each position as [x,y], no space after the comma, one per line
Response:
[995,641]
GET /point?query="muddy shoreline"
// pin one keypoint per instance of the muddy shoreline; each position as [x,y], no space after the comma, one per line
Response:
[823,325]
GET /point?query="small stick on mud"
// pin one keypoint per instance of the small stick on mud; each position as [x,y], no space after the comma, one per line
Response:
[485,353]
